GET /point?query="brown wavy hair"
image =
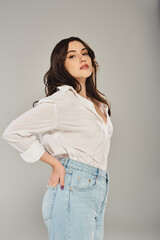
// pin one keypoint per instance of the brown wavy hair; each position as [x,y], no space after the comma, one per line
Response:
[57,75]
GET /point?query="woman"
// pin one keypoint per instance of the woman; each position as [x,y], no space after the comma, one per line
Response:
[74,129]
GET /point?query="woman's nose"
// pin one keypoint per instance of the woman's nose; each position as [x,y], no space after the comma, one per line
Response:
[82,58]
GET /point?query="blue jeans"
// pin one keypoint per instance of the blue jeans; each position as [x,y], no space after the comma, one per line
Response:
[77,211]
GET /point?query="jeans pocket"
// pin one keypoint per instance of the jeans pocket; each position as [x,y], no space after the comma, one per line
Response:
[48,202]
[83,181]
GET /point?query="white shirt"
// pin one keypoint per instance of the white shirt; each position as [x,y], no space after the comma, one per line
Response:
[63,124]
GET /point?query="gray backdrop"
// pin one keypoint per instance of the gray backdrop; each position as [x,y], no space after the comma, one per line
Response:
[125,36]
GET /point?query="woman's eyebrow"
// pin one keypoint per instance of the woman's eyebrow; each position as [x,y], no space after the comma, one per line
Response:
[75,50]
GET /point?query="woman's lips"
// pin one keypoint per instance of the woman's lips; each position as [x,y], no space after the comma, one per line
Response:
[83,68]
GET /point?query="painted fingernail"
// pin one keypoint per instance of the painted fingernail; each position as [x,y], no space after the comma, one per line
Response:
[62,187]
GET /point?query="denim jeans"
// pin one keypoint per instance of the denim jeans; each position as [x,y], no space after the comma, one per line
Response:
[77,211]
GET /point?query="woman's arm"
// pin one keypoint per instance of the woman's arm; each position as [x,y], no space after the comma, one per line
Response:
[22,132]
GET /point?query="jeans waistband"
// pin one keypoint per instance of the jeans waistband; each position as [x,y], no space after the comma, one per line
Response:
[68,162]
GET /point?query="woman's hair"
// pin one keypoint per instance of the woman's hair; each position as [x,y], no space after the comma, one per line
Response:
[57,75]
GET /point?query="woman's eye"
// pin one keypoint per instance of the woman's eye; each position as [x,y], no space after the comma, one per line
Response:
[71,56]
[74,55]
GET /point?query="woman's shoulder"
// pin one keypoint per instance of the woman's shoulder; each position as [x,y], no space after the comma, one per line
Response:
[56,97]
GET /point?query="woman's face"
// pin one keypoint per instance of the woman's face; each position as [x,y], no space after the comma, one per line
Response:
[77,56]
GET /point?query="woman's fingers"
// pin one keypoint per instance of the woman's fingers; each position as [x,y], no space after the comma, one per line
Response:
[62,177]
[53,182]
[57,174]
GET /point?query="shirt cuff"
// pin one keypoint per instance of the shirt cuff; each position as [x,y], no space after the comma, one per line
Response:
[33,153]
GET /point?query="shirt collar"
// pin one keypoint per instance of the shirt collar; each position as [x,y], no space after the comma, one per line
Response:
[65,87]
[87,102]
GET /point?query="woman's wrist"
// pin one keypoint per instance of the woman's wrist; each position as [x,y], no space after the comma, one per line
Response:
[48,158]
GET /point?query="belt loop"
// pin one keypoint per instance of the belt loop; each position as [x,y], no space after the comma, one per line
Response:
[66,162]
[97,174]
[107,177]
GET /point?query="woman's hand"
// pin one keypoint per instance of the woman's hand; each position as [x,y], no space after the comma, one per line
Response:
[58,173]
[58,170]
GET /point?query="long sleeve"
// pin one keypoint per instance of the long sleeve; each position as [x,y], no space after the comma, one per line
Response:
[22,132]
